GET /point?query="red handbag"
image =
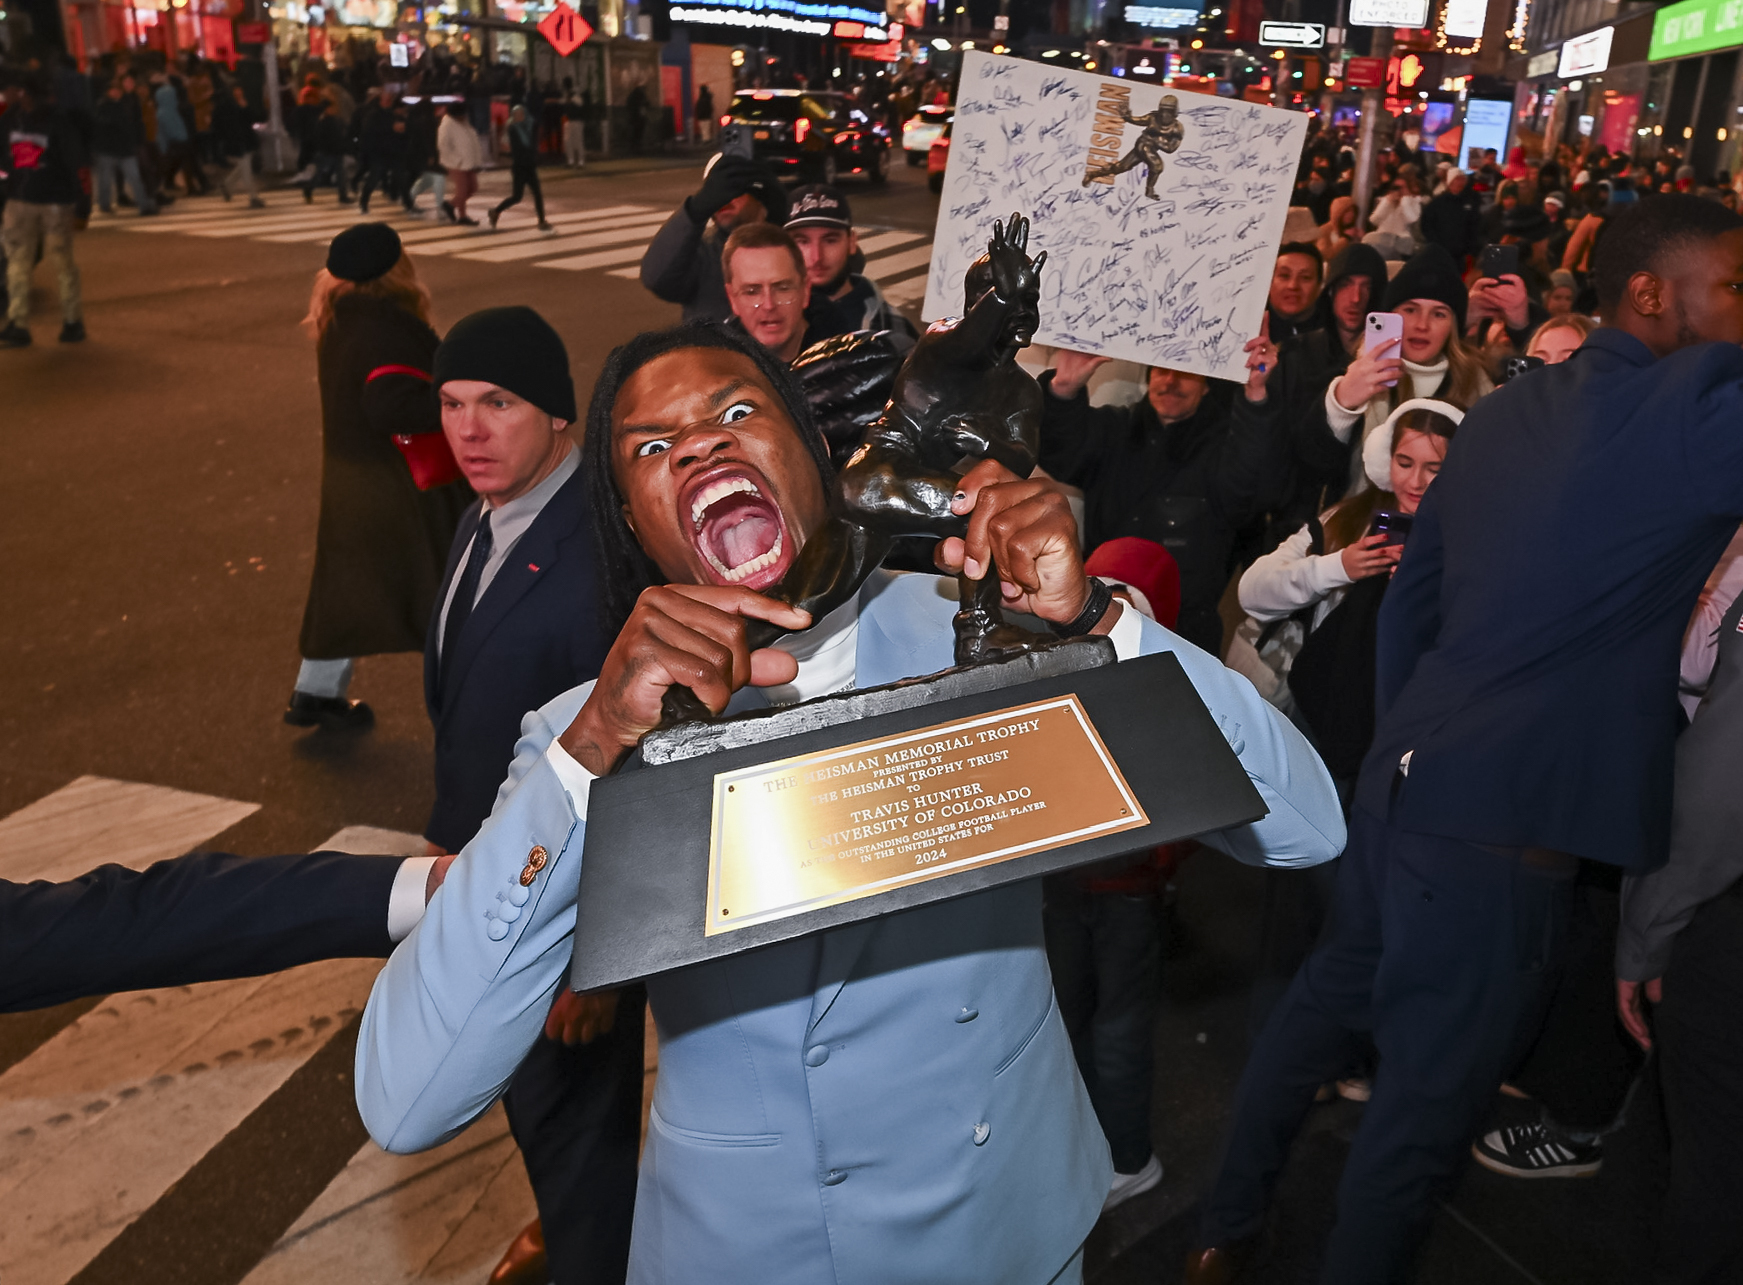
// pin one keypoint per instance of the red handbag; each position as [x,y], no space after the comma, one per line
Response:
[427,455]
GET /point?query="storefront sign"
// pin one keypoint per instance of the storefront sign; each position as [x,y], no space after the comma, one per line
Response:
[1543,64]
[1464,18]
[253,33]
[1586,55]
[802,16]
[1365,73]
[1388,13]
[1161,17]
[860,31]
[1695,27]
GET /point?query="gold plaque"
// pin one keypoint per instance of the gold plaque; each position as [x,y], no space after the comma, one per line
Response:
[821,829]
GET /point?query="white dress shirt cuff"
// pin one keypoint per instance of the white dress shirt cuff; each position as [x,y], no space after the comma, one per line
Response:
[576,780]
[405,903]
[1127,635]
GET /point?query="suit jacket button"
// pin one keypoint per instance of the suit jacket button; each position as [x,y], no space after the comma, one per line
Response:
[982,1132]
[537,858]
[968,1015]
[833,1177]
[817,1055]
[496,930]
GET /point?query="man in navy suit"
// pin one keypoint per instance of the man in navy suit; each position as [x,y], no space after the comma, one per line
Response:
[515,625]
[199,918]
[1527,682]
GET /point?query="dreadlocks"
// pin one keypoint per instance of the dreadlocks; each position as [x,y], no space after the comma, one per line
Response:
[624,570]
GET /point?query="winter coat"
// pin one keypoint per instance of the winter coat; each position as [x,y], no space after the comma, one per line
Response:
[457,145]
[116,127]
[682,265]
[1189,486]
[382,544]
[172,127]
[1450,221]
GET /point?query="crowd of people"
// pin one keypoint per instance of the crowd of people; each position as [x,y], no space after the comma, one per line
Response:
[1439,566]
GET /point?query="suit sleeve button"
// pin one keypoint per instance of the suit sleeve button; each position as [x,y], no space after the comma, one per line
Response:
[982,1132]
[496,930]
[817,1055]
[968,1015]
[834,1177]
[537,858]
[528,873]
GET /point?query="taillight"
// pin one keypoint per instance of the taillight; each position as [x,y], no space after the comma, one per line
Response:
[801,129]
[725,121]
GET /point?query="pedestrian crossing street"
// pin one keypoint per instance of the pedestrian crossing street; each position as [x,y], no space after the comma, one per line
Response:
[107,1125]
[608,238]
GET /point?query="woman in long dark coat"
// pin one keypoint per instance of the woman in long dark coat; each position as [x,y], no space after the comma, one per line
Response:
[382,543]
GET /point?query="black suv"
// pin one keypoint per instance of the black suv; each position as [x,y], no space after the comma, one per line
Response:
[809,136]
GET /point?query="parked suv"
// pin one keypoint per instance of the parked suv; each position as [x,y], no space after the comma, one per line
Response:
[806,135]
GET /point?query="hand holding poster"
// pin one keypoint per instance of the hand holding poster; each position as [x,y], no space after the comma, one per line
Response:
[1160,212]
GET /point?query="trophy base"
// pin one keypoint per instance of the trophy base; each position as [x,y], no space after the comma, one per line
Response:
[754,727]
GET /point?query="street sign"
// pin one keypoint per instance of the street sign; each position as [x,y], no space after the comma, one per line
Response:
[1388,13]
[565,29]
[1001,22]
[1365,73]
[1292,35]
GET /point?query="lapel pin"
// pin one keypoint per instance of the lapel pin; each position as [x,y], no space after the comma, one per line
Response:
[532,566]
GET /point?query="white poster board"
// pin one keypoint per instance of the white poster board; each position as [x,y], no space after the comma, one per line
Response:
[1176,279]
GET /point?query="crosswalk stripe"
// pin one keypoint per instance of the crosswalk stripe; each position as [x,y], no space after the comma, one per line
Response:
[438,1216]
[100,1121]
[480,239]
[878,242]
[94,820]
[894,265]
[628,274]
[508,254]
[242,216]
[578,216]
[906,292]
[600,259]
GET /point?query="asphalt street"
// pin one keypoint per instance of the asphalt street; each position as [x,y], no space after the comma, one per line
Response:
[160,495]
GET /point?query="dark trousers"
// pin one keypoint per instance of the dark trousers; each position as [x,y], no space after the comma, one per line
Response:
[1699,1033]
[1583,1063]
[1105,949]
[525,177]
[382,172]
[1438,949]
[577,1114]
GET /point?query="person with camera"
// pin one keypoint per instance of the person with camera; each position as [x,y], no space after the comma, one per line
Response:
[682,263]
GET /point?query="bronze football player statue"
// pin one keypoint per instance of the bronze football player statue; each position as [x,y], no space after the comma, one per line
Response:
[1163,132]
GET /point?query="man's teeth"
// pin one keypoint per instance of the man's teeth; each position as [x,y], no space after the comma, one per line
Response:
[714,492]
[735,574]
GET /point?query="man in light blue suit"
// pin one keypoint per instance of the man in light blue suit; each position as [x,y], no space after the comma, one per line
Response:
[895,1101]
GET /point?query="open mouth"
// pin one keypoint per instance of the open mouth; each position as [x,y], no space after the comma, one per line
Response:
[739,531]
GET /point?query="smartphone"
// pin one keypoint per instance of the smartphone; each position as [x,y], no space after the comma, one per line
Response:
[1514,367]
[1384,326]
[1394,526]
[1499,261]
[737,140]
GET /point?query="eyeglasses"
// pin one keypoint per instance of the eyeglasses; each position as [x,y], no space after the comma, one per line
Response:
[781,294]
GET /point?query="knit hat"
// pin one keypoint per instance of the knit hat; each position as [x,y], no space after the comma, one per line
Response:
[1377,445]
[513,348]
[1430,274]
[1557,199]
[364,252]
[1147,570]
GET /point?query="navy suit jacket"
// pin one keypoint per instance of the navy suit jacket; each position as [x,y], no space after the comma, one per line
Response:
[532,635]
[198,918]
[1527,649]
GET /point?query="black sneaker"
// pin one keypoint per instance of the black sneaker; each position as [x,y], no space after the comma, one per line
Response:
[73,332]
[1533,1151]
[14,335]
[328,711]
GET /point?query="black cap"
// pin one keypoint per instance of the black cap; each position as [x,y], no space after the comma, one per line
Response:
[817,205]
[1429,274]
[513,348]
[364,252]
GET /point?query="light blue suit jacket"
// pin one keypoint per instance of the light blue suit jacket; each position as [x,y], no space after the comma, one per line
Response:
[895,1101]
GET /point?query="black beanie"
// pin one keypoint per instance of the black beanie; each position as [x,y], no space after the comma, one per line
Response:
[513,348]
[1430,274]
[364,252]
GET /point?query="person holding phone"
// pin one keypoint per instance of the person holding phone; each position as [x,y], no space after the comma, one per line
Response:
[1334,571]
[1420,353]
